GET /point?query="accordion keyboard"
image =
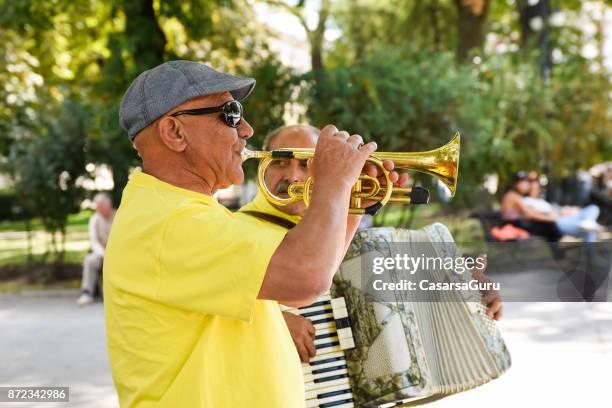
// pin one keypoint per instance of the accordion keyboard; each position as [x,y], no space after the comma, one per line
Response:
[326,379]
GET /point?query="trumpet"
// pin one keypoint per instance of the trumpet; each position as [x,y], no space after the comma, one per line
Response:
[442,163]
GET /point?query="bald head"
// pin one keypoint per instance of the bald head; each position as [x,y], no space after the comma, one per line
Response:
[292,136]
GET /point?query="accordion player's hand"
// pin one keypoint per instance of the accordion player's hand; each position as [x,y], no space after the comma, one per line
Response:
[303,334]
[490,298]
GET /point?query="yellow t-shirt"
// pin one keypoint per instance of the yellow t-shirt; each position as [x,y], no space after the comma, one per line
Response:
[184,325]
[260,204]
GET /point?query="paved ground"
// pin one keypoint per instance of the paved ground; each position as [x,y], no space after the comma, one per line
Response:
[50,341]
[562,354]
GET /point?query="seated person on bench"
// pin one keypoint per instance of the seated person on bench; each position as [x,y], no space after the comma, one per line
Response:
[538,218]
[99,229]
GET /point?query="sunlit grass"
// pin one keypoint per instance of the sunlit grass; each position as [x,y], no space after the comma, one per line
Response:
[76,222]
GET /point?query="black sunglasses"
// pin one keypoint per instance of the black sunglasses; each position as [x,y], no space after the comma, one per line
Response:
[230,110]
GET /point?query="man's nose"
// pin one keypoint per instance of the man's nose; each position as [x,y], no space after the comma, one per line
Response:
[296,173]
[245,130]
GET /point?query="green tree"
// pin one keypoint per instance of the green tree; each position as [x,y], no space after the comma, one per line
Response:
[47,165]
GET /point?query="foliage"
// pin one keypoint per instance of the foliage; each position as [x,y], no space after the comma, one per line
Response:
[46,165]
[411,99]
[391,75]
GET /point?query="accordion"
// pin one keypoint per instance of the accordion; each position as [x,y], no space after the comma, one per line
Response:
[373,353]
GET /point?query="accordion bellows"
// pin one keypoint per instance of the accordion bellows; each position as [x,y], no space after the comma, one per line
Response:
[410,352]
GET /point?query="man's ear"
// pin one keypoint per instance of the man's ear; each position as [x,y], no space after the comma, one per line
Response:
[171,132]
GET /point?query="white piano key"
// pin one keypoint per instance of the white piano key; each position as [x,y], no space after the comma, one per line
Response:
[327,376]
[312,386]
[329,349]
[338,303]
[345,333]
[347,343]
[325,325]
[315,360]
[326,330]
[325,340]
[340,313]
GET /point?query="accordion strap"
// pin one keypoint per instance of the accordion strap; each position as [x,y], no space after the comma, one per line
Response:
[271,218]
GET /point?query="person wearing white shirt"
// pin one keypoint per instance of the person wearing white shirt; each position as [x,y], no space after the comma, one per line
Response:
[99,230]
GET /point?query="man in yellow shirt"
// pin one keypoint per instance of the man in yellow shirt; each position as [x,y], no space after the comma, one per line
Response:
[191,290]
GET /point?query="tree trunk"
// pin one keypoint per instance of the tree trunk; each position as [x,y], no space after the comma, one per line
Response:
[28,227]
[472,17]
[435,24]
[62,249]
[526,13]
[317,38]
[145,37]
[540,39]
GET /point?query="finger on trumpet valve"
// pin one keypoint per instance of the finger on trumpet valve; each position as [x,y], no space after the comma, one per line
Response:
[355,198]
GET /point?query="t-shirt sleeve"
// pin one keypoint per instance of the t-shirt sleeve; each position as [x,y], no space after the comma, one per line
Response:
[213,262]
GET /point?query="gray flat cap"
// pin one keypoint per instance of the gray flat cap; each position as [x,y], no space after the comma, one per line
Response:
[159,90]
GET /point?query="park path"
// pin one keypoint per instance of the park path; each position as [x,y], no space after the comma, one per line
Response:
[562,354]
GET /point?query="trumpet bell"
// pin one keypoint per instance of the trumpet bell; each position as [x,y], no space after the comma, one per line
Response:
[442,163]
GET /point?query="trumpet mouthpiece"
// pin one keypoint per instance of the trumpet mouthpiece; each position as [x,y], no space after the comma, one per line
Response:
[247,154]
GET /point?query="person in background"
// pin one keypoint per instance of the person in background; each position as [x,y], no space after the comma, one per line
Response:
[570,220]
[522,207]
[515,211]
[99,230]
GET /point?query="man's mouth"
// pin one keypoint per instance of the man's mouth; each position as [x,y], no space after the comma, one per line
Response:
[282,189]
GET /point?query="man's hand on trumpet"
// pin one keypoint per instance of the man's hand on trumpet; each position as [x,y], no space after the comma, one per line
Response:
[345,156]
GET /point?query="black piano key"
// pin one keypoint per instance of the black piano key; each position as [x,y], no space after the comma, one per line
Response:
[327,360]
[325,345]
[328,369]
[343,323]
[316,312]
[333,393]
[330,378]
[315,304]
[327,319]
[335,403]
[325,335]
